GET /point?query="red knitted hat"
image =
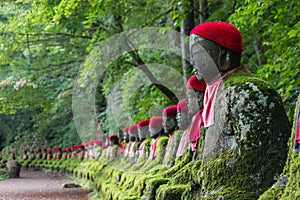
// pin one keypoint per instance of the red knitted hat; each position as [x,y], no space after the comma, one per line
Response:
[133,129]
[114,137]
[125,130]
[107,137]
[156,121]
[97,142]
[143,123]
[170,111]
[222,33]
[194,83]
[56,149]
[68,149]
[182,106]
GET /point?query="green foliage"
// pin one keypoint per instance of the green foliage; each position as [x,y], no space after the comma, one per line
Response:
[266,22]
[3,174]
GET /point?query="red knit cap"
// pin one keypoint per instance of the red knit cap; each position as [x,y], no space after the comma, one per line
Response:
[97,142]
[156,122]
[194,83]
[56,149]
[222,33]
[170,111]
[107,137]
[133,129]
[182,106]
[68,149]
[143,123]
[125,130]
[114,137]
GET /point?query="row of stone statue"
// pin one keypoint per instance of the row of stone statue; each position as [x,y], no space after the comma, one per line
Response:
[230,119]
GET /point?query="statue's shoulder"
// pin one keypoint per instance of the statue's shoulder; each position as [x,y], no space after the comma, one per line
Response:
[241,84]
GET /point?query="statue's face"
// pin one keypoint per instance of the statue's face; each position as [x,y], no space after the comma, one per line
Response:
[194,101]
[154,132]
[183,120]
[143,132]
[126,137]
[205,58]
[169,123]
[114,141]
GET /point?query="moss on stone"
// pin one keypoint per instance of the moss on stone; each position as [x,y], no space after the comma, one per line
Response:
[170,192]
[151,186]
[273,193]
[169,159]
[292,168]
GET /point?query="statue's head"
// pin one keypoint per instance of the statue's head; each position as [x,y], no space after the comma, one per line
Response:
[133,132]
[126,134]
[114,139]
[143,129]
[183,116]
[169,119]
[155,126]
[216,48]
[195,94]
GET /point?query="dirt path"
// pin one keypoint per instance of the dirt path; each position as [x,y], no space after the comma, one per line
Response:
[39,185]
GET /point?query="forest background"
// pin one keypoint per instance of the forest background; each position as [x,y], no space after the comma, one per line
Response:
[48,46]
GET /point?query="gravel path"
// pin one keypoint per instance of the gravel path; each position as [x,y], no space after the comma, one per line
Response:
[39,185]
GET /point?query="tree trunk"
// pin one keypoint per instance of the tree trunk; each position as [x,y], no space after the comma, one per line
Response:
[260,52]
[187,25]
[203,11]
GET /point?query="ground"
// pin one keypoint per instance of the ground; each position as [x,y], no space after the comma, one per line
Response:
[39,185]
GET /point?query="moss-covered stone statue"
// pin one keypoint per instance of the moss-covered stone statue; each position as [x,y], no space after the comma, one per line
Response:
[114,143]
[133,133]
[13,167]
[195,97]
[287,187]
[170,126]
[143,133]
[183,120]
[247,128]
[155,130]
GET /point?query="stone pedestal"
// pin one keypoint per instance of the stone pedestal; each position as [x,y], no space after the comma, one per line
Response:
[13,169]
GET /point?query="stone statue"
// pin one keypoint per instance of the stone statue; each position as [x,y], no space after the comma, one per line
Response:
[143,133]
[155,130]
[25,155]
[126,141]
[183,120]
[170,125]
[195,97]
[247,128]
[39,153]
[114,143]
[133,133]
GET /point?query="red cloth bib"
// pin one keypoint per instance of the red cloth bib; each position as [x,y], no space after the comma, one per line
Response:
[211,91]
[132,149]
[298,131]
[169,143]
[153,149]
[194,133]
[182,143]
[141,148]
